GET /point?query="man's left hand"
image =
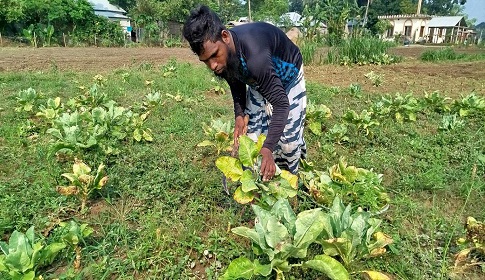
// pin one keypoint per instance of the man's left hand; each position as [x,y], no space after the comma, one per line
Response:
[268,166]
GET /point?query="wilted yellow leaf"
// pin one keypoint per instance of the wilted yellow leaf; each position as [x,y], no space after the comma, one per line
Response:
[374,275]
[70,190]
[243,197]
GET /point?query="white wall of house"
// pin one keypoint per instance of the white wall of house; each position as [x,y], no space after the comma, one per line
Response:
[412,26]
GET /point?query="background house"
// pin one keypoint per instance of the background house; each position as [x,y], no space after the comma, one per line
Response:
[429,29]
[105,9]
[411,26]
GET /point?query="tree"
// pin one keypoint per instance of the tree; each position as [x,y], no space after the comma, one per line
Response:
[296,6]
[124,4]
[271,10]
[441,7]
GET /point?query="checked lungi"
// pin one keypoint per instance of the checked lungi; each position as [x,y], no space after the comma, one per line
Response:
[291,147]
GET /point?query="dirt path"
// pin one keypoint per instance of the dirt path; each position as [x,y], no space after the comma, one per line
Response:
[412,75]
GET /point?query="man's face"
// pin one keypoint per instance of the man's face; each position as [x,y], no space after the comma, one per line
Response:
[220,57]
[214,55]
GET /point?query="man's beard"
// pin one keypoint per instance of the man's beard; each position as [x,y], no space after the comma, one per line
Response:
[231,71]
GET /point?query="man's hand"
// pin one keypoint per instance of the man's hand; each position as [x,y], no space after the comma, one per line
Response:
[240,128]
[268,166]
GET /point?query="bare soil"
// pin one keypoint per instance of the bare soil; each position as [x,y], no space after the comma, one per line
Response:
[410,76]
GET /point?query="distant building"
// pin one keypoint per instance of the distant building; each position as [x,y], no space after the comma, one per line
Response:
[113,13]
[429,29]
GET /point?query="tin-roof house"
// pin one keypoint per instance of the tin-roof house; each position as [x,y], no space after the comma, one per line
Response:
[425,28]
[112,12]
[447,30]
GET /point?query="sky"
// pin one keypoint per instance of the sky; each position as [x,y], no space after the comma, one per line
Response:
[475,9]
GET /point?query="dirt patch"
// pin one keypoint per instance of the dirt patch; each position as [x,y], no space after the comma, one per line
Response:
[451,79]
[87,59]
[410,76]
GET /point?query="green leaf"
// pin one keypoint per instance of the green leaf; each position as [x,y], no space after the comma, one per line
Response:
[276,232]
[99,115]
[329,266]
[282,189]
[147,135]
[3,267]
[250,234]
[205,143]
[309,225]
[262,269]
[282,209]
[247,151]
[137,134]
[239,268]
[338,247]
[50,252]
[231,167]
[316,128]
[260,143]
[247,181]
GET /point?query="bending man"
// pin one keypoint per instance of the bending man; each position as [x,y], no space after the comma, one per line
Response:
[262,57]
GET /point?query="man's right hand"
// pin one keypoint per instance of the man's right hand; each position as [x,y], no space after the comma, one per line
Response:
[240,128]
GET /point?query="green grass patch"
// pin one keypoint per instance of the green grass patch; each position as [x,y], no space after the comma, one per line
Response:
[449,54]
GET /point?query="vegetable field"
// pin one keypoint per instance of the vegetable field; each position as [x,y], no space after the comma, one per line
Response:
[112,164]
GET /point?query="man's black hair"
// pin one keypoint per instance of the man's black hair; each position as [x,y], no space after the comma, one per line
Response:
[201,25]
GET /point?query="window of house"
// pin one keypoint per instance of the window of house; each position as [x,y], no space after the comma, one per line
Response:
[390,32]
[407,30]
[421,31]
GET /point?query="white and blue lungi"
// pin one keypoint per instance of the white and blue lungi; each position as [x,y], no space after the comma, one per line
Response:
[291,146]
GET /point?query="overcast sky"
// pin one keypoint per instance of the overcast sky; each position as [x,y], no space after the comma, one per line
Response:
[475,9]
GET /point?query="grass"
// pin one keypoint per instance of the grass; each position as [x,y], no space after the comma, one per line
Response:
[361,51]
[164,209]
[449,54]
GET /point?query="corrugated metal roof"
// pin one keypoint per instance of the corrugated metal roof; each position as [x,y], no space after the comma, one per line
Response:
[447,21]
[104,5]
[111,15]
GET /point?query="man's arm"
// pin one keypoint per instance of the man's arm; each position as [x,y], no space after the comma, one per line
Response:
[238,92]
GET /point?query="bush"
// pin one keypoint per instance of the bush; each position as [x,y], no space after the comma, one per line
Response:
[362,51]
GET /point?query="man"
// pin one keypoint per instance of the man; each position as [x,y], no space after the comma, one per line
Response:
[261,56]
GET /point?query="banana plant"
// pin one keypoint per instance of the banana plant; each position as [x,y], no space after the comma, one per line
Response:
[82,182]
[283,237]
[23,255]
[245,170]
[49,31]
[219,133]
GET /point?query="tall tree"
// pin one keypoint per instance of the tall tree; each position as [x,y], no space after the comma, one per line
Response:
[124,4]
[441,7]
[296,6]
